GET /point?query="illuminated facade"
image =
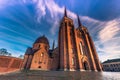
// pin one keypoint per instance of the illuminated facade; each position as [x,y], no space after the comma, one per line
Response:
[75,51]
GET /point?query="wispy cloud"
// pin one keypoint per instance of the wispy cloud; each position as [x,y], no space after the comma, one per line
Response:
[5,3]
[108,43]
[56,13]
[105,32]
[109,30]
[16,50]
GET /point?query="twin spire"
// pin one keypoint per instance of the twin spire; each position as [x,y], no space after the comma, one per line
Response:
[65,12]
[79,22]
[65,15]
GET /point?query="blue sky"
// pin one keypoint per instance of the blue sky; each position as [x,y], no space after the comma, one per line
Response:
[22,21]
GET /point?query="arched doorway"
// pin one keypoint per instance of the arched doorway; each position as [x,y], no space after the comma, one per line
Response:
[39,66]
[85,65]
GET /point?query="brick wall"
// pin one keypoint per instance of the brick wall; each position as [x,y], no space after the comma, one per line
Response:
[8,63]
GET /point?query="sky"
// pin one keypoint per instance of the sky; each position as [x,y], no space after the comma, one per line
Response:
[23,21]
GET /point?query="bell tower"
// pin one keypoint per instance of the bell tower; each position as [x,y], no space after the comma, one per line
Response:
[67,44]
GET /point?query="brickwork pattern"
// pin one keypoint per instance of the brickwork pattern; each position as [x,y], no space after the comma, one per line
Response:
[8,63]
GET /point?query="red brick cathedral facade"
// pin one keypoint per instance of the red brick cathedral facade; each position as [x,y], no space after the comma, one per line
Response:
[75,51]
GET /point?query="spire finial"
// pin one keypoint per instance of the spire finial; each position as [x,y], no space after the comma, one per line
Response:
[79,22]
[53,45]
[65,12]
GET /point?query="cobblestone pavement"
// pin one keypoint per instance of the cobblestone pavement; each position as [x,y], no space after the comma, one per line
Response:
[60,75]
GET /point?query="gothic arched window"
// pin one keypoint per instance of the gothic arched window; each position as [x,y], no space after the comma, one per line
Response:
[73,61]
[81,48]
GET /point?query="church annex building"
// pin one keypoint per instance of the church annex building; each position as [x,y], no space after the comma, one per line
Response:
[75,51]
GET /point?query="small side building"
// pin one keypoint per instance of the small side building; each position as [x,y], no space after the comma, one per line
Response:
[40,56]
[112,65]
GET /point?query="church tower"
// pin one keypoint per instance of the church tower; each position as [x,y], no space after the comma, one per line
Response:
[88,56]
[67,44]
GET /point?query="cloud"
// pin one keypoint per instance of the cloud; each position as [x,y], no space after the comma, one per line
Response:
[108,43]
[56,13]
[16,45]
[15,50]
[54,10]
[15,32]
[105,32]
[109,30]
[5,3]
[40,9]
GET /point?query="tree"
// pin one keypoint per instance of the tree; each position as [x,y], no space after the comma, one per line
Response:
[4,52]
[9,54]
[21,56]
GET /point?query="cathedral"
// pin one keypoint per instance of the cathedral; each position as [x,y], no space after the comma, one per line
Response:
[75,51]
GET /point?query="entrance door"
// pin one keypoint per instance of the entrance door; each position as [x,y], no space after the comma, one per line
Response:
[39,66]
[86,67]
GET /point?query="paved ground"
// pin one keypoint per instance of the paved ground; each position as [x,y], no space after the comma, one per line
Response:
[36,75]
[60,75]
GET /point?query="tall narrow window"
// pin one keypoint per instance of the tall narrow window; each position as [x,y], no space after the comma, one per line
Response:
[71,35]
[73,63]
[81,48]
[65,23]
[38,46]
[41,55]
